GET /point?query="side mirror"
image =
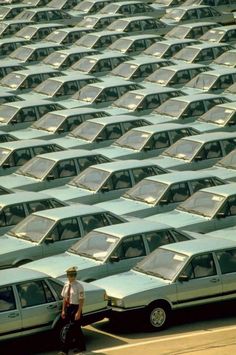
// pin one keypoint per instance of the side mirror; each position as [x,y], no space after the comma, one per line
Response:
[60,130]
[105,188]
[5,165]
[163,201]
[50,177]
[220,215]
[231,123]
[183,277]
[114,258]
[147,147]
[49,240]
[198,158]
[14,121]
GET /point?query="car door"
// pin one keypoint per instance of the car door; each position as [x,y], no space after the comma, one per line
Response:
[60,174]
[203,284]
[207,156]
[227,262]
[61,237]
[39,307]
[155,146]
[10,315]
[128,252]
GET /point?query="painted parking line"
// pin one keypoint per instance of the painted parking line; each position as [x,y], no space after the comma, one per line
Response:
[163,339]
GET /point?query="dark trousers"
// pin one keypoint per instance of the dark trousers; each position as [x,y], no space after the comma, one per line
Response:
[76,330]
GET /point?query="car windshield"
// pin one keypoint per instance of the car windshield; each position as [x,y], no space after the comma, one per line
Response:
[55,59]
[56,36]
[187,54]
[36,168]
[87,131]
[48,87]
[4,11]
[183,149]
[26,32]
[202,81]
[21,53]
[4,154]
[161,76]
[202,203]
[88,21]
[32,228]
[84,6]
[229,161]
[178,32]
[13,80]
[25,15]
[213,36]
[125,70]
[90,179]
[109,9]
[218,115]
[133,139]
[147,191]
[157,49]
[87,40]
[118,25]
[173,108]
[85,64]
[228,59]
[162,263]
[95,245]
[87,93]
[3,26]
[129,101]
[49,122]
[174,14]
[6,113]
[121,45]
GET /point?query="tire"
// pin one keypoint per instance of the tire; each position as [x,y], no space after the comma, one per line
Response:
[157,316]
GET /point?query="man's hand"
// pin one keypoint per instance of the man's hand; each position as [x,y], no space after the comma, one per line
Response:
[77,316]
[63,315]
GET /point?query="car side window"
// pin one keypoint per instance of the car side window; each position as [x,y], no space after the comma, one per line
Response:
[45,149]
[112,131]
[227,260]
[130,247]
[204,12]
[210,151]
[34,293]
[156,239]
[195,109]
[65,168]
[229,209]
[228,145]
[205,54]
[140,173]
[179,237]
[66,229]
[201,184]
[19,157]
[28,115]
[119,180]
[175,135]
[7,299]
[13,214]
[113,219]
[160,140]
[201,266]
[178,193]
[56,287]
[91,222]
[35,206]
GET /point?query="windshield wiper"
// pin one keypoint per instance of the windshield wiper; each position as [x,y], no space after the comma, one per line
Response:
[80,185]
[152,273]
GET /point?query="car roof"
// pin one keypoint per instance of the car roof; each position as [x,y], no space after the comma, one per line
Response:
[185,66]
[157,89]
[99,15]
[77,111]
[35,70]
[224,28]
[66,154]
[116,119]
[77,209]
[103,33]
[198,24]
[22,196]
[41,45]
[136,18]
[107,82]
[153,128]
[180,176]
[15,275]
[146,60]
[105,55]
[141,36]
[121,165]
[195,97]
[70,76]
[25,143]
[224,190]
[228,105]
[207,45]
[198,246]
[138,226]
[212,136]
[220,71]
[34,101]
[45,25]
[172,41]
[190,7]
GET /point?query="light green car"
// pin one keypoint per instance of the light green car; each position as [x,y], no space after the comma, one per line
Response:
[191,30]
[26,308]
[225,168]
[227,59]
[110,250]
[221,34]
[174,277]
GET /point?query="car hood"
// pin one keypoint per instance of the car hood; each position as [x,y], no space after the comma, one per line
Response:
[57,265]
[193,91]
[30,133]
[222,173]
[67,192]
[114,152]
[156,118]
[72,103]
[177,219]
[69,142]
[205,127]
[128,283]
[10,244]
[123,206]
[114,111]
[14,181]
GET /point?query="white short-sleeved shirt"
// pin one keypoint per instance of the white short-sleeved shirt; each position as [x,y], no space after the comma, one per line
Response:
[76,292]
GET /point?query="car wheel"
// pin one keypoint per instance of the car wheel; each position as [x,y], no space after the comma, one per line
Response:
[158,315]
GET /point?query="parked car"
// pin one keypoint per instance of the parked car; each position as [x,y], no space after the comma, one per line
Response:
[221,5]
[226,167]
[98,21]
[100,132]
[207,210]
[198,151]
[133,8]
[191,30]
[21,114]
[16,153]
[8,12]
[9,45]
[162,193]
[146,142]
[109,250]
[98,40]
[227,59]
[63,4]
[31,302]
[7,137]
[47,14]
[44,234]
[7,67]
[10,27]
[37,32]
[221,34]
[16,206]
[51,170]
[7,97]
[104,181]
[176,276]
[67,35]
[87,7]
[57,124]
[133,45]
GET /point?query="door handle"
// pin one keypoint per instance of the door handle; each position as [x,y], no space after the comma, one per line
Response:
[13,315]
[215,280]
[52,306]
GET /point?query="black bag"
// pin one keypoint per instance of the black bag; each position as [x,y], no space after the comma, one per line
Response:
[67,334]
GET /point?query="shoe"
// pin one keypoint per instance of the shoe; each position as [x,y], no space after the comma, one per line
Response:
[62,353]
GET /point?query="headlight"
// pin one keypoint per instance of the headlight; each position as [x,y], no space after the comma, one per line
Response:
[116,302]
